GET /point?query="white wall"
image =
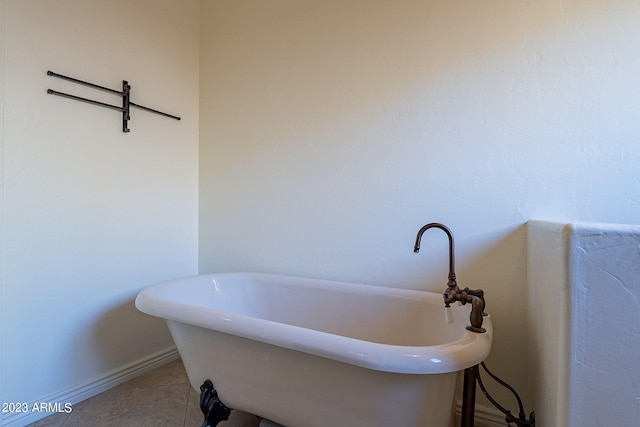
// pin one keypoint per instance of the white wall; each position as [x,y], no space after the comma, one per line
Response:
[549,318]
[2,230]
[331,131]
[92,215]
[585,298]
[604,266]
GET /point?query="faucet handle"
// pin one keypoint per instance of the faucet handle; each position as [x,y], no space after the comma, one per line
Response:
[480,294]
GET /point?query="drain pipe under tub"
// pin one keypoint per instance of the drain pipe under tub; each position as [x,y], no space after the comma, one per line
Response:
[469,396]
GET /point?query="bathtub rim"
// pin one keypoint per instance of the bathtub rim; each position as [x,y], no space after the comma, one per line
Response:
[468,350]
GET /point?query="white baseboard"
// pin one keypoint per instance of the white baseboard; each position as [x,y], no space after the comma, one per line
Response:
[83,391]
[485,416]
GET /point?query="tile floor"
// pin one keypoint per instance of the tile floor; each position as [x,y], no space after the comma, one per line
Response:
[160,398]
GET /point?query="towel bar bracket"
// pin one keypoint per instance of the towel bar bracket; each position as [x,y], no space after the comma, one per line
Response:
[126,94]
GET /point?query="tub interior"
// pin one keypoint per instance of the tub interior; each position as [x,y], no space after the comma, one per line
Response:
[364,312]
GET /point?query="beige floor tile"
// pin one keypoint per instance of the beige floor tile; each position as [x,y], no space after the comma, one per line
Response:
[157,406]
[170,374]
[193,416]
[241,419]
[160,398]
[55,420]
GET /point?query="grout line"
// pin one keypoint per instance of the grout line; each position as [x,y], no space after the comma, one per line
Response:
[186,407]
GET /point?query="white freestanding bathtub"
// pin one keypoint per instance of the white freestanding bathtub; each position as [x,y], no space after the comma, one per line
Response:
[306,352]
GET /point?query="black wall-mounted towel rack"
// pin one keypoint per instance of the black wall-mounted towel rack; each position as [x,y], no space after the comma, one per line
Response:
[125,94]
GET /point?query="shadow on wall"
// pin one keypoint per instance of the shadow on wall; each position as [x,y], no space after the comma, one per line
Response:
[114,337]
[500,270]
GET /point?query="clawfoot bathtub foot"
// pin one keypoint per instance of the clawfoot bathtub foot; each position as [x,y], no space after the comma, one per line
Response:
[212,408]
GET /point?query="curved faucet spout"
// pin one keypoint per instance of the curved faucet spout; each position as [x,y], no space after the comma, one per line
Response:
[416,248]
[453,293]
